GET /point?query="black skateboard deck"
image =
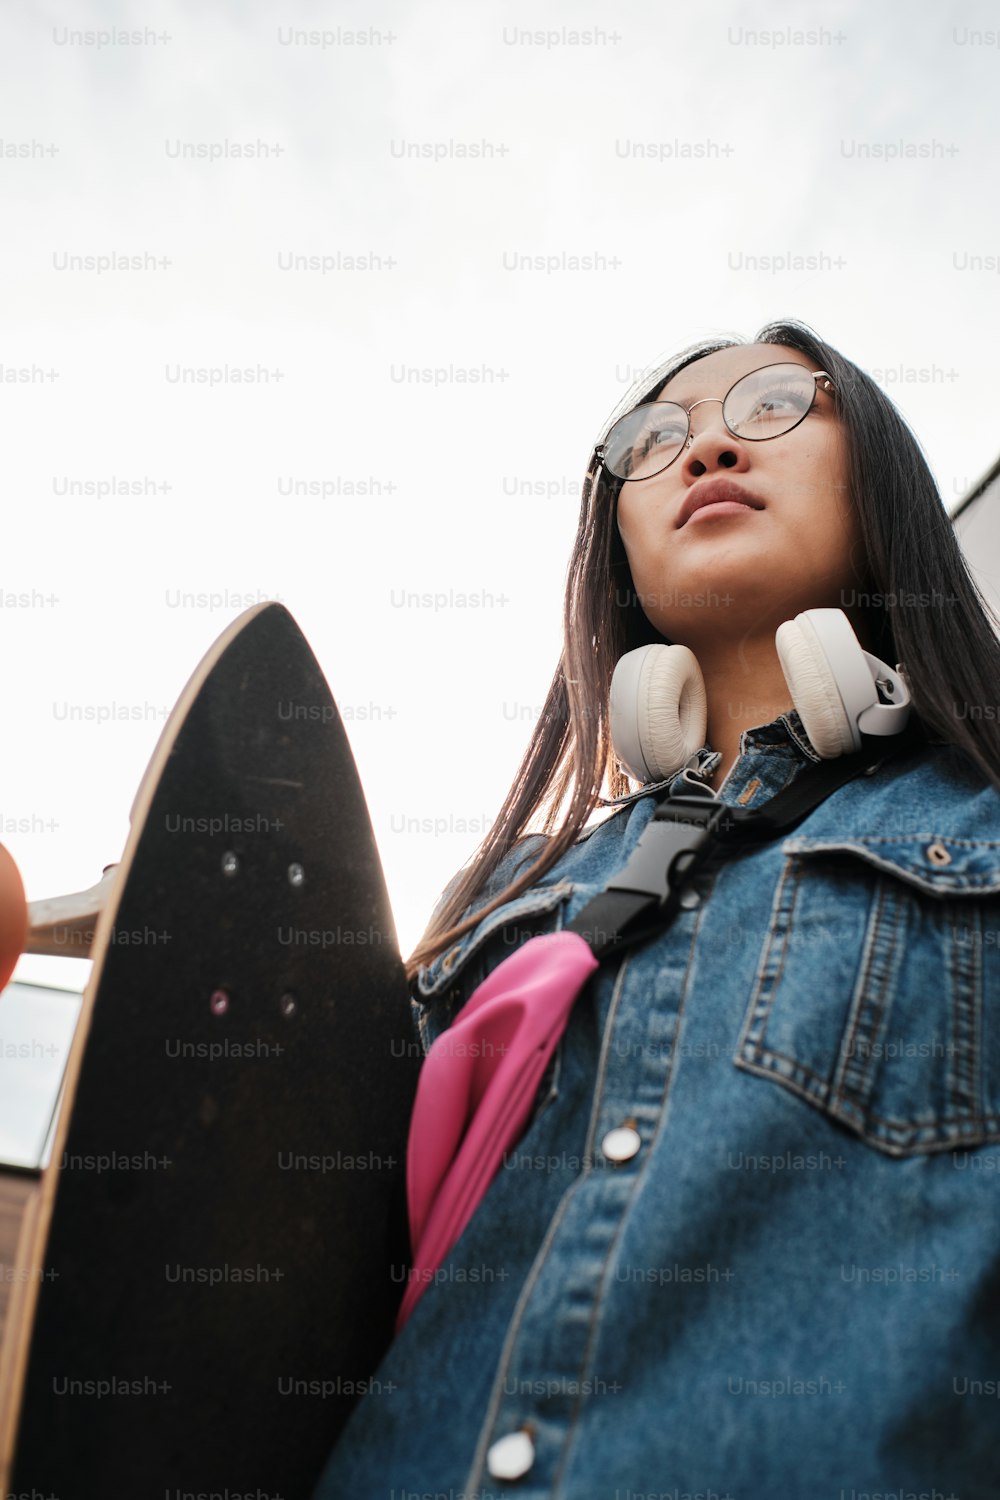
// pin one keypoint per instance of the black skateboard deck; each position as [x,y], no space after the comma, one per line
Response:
[228,1240]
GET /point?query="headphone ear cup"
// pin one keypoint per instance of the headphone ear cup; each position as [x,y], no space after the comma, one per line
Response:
[814,689]
[659,710]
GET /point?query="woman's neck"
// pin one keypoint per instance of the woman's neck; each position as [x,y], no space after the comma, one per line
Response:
[745,687]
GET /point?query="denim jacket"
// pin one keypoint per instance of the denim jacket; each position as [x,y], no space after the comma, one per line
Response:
[749,1246]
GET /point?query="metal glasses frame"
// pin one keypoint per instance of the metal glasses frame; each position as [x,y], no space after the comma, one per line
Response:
[816,375]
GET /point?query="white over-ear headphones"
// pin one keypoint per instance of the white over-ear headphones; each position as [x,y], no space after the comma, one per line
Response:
[659,707]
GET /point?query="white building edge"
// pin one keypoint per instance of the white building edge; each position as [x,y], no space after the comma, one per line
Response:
[977,521]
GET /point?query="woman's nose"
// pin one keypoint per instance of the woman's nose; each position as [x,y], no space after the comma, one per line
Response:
[711,445]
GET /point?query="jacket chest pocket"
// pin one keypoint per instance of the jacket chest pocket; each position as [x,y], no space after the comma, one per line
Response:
[877,994]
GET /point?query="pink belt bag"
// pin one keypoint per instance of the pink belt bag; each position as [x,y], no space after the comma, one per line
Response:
[478,1081]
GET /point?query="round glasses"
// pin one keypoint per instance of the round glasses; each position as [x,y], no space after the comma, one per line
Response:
[764,404]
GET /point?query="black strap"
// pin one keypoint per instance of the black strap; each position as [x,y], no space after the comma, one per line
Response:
[684,831]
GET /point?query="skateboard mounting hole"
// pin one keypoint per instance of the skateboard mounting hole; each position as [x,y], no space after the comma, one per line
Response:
[296,875]
[230,863]
[288,1005]
[219,1002]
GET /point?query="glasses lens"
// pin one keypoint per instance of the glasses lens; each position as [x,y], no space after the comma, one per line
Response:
[644,441]
[768,402]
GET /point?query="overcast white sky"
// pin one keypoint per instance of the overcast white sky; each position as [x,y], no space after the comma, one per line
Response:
[690,152]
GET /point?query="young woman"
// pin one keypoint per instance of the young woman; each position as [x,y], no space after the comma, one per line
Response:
[749,1243]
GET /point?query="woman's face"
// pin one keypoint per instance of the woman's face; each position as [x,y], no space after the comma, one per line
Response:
[748,569]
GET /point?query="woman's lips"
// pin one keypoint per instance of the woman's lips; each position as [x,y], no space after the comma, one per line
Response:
[720,508]
[723,496]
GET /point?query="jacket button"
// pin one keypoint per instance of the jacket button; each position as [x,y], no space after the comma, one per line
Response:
[938,854]
[511,1457]
[622,1143]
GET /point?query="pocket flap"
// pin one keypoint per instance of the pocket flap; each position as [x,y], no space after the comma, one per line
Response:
[933,862]
[443,970]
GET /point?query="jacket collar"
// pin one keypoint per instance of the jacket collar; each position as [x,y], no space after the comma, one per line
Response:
[783,739]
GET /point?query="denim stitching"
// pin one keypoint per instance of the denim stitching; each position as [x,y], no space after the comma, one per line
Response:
[982,1129]
[888,1124]
[807,845]
[854,1085]
[968,995]
[935,881]
[474,939]
[848,1100]
[775,944]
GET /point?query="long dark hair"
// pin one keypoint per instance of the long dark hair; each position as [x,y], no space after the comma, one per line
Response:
[926,612]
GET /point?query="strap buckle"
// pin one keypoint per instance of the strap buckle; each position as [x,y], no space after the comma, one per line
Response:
[669,846]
